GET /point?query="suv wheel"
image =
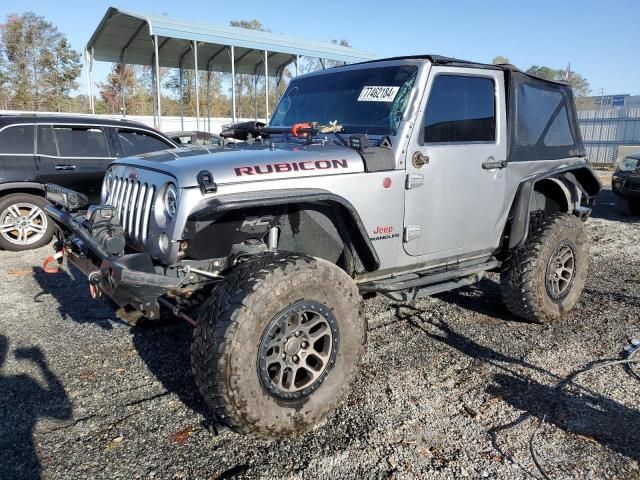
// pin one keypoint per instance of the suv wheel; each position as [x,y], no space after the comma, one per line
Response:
[23,223]
[544,279]
[278,344]
[627,206]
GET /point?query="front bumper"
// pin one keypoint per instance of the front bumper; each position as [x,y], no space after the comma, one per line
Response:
[131,281]
[626,184]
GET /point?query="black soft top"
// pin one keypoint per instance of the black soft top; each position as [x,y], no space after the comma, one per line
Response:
[542,122]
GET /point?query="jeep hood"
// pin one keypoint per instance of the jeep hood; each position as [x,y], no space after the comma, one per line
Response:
[249,162]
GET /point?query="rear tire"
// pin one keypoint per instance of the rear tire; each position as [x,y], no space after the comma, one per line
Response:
[23,223]
[278,344]
[627,206]
[544,279]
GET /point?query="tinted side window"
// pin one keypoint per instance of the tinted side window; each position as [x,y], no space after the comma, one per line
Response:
[47,141]
[16,139]
[460,109]
[81,141]
[135,142]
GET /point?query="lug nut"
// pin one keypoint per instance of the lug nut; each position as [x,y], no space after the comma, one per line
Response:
[284,356]
[305,344]
[295,358]
[298,333]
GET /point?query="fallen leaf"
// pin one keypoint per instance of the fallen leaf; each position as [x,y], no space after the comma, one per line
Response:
[182,436]
[114,442]
[120,370]
[86,375]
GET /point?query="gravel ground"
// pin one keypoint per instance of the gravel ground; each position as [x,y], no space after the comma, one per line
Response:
[451,386]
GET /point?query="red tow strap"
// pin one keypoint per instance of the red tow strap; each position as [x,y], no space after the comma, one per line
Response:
[295,130]
[56,257]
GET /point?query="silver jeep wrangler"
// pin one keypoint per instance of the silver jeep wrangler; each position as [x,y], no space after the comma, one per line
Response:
[405,177]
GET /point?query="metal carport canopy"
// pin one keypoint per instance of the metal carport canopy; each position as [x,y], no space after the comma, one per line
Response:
[133,31]
[128,37]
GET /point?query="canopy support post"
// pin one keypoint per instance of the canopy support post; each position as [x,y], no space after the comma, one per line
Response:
[90,71]
[123,107]
[197,83]
[296,61]
[208,98]
[180,89]
[232,54]
[157,69]
[266,86]
[255,94]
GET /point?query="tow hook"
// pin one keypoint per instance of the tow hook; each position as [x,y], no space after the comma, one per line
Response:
[94,280]
[56,257]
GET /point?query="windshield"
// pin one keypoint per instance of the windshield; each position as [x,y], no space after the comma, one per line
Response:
[369,100]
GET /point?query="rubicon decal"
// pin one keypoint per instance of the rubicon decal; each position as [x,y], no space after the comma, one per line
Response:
[283,167]
[383,232]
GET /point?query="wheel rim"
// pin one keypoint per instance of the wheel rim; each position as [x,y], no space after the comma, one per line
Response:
[23,223]
[298,350]
[561,271]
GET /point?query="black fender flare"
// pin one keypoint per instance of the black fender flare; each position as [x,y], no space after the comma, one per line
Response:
[217,205]
[580,176]
[21,186]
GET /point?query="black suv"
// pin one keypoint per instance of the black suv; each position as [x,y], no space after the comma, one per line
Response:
[73,151]
[625,183]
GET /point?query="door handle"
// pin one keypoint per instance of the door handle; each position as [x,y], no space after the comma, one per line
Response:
[491,163]
[65,167]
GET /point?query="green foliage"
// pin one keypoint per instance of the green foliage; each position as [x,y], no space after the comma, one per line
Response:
[578,83]
[500,60]
[543,72]
[38,67]
[249,25]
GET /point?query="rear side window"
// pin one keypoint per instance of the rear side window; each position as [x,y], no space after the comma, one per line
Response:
[542,117]
[81,141]
[461,109]
[135,142]
[47,141]
[16,139]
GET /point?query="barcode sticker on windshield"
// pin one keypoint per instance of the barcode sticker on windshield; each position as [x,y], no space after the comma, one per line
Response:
[378,94]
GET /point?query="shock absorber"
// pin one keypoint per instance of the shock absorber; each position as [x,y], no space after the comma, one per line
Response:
[272,240]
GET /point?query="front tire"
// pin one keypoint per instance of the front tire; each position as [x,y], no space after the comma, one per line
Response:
[278,344]
[23,223]
[544,279]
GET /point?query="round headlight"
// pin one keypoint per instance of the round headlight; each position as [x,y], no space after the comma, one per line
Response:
[107,184]
[171,200]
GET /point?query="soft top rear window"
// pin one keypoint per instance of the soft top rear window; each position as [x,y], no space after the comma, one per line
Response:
[542,120]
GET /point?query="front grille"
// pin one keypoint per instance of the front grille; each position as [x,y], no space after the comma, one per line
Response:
[133,201]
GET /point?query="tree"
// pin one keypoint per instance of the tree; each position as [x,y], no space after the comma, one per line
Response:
[121,79]
[579,84]
[38,63]
[60,74]
[543,72]
[500,59]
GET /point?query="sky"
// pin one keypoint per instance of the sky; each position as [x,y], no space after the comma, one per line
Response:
[600,39]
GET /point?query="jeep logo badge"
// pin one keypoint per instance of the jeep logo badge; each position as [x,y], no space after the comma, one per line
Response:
[133,174]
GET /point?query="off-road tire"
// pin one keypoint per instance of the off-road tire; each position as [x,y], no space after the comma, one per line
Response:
[627,206]
[523,280]
[230,327]
[24,200]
